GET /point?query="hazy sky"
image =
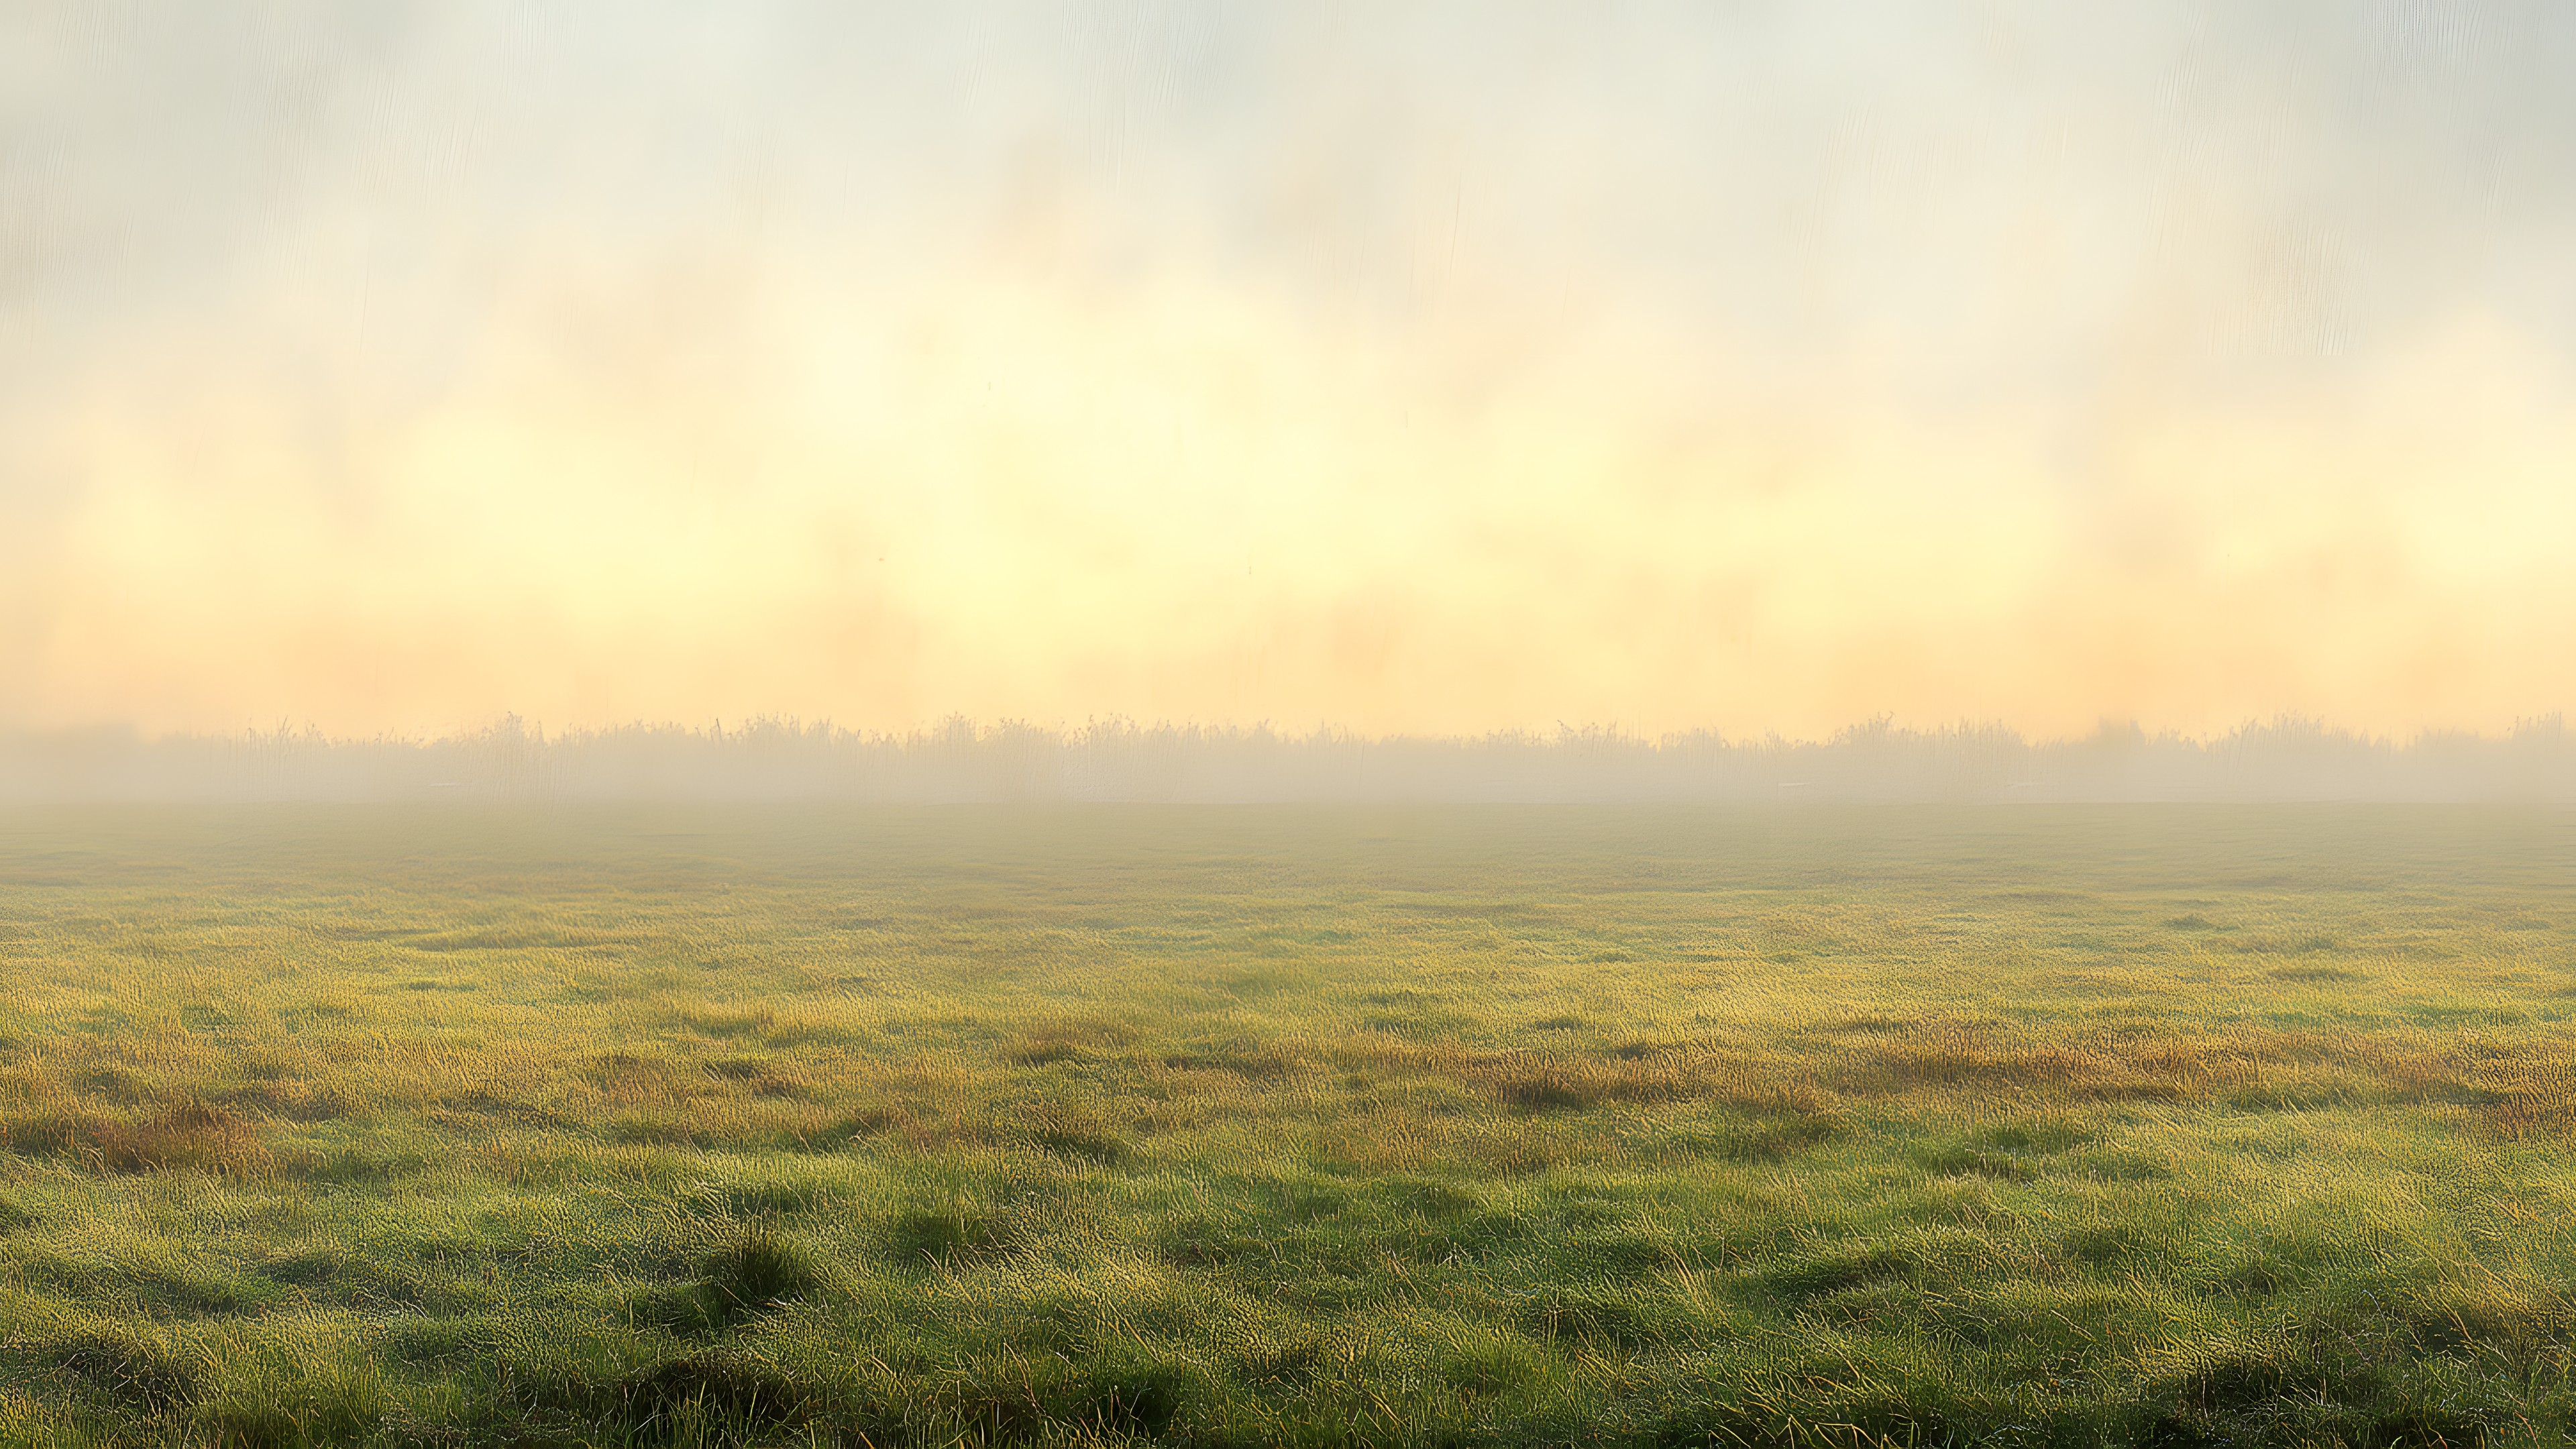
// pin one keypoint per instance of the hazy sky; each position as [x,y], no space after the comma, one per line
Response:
[1421,367]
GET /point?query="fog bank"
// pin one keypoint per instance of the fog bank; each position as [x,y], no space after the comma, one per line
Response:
[2285,760]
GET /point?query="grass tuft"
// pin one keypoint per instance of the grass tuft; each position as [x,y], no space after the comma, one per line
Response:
[187,1133]
[758,1269]
[131,1366]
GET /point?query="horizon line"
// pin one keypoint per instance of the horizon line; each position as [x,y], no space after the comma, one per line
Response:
[962,728]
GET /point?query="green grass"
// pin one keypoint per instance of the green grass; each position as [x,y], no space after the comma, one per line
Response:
[1250,1126]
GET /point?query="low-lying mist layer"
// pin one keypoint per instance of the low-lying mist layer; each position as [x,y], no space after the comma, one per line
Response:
[1119,762]
[419,1125]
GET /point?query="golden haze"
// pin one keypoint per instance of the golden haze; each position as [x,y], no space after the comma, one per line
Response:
[1755,372]
[1189,505]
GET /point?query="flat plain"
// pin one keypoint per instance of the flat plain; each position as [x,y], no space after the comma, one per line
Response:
[1803,1125]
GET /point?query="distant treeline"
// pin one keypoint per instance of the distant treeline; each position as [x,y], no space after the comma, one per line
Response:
[961,762]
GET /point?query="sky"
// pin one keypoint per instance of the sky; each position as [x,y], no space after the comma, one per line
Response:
[1436,369]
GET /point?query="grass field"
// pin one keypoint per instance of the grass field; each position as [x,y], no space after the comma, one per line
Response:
[1460,1126]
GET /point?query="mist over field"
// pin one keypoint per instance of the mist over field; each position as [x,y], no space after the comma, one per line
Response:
[1470,368]
[1122,763]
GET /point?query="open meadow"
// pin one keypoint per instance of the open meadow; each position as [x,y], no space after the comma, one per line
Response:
[1801,1125]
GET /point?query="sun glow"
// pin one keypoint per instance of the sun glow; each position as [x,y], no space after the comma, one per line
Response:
[1306,409]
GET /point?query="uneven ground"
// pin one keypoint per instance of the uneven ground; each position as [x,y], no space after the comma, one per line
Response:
[451,1126]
